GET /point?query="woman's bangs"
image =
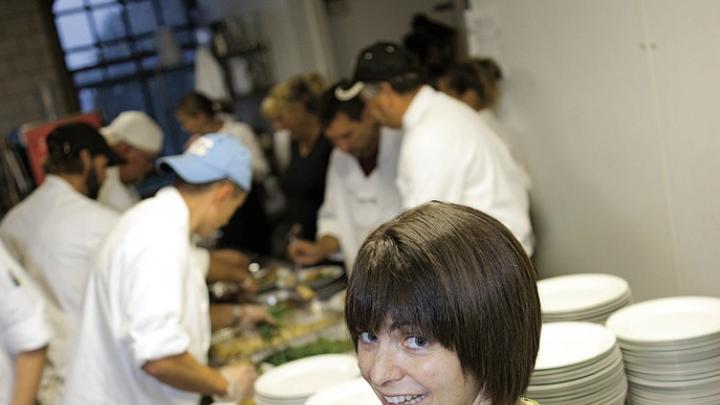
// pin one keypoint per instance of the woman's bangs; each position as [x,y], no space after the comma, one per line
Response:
[383,288]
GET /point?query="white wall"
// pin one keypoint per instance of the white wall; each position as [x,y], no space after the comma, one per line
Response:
[614,110]
[355,24]
[305,35]
[296,32]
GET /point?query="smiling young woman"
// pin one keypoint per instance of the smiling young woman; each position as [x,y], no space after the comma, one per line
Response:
[443,308]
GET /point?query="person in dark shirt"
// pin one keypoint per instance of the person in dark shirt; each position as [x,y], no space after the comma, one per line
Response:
[293,106]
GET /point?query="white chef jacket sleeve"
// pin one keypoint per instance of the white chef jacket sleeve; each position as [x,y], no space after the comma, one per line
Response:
[154,296]
[23,326]
[328,222]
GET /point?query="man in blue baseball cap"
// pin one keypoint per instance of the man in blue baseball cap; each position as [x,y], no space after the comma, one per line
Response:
[146,329]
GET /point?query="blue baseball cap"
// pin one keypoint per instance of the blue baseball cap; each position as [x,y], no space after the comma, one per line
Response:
[212,157]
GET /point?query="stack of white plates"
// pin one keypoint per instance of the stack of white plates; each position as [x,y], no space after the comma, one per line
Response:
[294,382]
[671,348]
[578,363]
[582,297]
[355,392]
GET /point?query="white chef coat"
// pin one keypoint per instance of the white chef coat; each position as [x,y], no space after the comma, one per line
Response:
[450,154]
[144,302]
[22,320]
[355,204]
[115,194]
[54,233]
[245,135]
[490,119]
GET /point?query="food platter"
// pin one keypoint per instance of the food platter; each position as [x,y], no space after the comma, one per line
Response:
[299,326]
[319,276]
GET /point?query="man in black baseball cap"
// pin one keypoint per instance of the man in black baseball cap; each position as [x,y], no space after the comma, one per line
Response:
[448,152]
[387,76]
[55,232]
[80,153]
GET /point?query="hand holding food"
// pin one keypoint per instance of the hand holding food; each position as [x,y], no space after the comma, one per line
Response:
[241,378]
[305,252]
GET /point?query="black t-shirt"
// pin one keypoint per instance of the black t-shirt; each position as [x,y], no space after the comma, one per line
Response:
[304,185]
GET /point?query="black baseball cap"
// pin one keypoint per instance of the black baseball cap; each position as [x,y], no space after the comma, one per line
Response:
[70,139]
[381,61]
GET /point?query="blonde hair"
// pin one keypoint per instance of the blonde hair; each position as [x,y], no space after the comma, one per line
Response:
[305,89]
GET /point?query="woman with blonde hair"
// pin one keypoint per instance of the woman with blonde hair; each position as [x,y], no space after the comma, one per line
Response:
[294,108]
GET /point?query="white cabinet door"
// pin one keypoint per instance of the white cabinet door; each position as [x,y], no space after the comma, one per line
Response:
[686,66]
[580,97]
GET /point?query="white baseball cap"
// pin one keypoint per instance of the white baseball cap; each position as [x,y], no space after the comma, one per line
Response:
[136,129]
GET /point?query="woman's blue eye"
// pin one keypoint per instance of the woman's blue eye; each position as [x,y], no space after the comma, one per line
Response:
[418,342]
[368,337]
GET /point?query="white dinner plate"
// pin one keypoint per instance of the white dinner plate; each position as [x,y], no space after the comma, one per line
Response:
[355,392]
[567,374]
[595,312]
[564,344]
[580,292]
[598,382]
[667,320]
[304,377]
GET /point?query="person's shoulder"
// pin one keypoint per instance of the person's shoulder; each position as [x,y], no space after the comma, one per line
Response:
[239,127]
[455,111]
[148,223]
[105,214]
[340,163]
[21,215]
[160,213]
[11,218]
[93,210]
[336,157]
[390,137]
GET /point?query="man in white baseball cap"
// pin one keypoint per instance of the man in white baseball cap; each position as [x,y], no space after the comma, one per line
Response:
[138,139]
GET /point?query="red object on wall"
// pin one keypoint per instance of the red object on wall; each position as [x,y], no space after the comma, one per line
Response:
[35,140]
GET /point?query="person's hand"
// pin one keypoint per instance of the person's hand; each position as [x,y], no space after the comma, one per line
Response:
[231,257]
[226,315]
[249,285]
[232,265]
[305,252]
[241,379]
[251,313]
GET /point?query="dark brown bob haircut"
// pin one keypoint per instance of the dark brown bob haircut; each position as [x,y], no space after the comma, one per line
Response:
[458,277]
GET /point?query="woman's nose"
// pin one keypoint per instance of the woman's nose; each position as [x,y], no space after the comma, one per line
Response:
[385,367]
